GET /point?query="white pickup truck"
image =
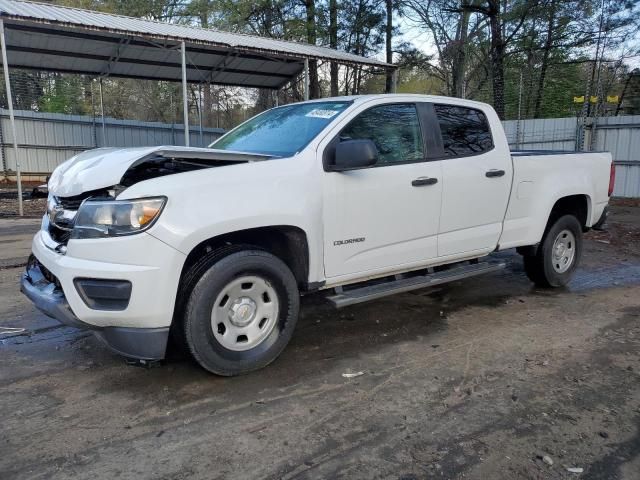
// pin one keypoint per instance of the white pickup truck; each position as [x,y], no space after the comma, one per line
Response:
[359,196]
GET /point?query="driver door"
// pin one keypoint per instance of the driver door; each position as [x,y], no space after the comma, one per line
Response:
[386,216]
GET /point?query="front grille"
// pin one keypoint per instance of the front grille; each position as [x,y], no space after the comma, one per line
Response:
[46,273]
[59,235]
[71,203]
[59,226]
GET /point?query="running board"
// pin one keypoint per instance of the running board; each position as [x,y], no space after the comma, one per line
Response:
[344,298]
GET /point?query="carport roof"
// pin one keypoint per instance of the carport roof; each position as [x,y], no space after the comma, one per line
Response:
[62,39]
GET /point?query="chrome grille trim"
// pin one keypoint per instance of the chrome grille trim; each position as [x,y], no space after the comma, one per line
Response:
[61,220]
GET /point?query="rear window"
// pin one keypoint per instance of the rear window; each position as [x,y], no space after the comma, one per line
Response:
[465,131]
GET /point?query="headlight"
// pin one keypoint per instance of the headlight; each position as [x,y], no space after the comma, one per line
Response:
[114,218]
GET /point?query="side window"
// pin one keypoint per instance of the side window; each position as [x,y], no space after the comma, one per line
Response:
[465,131]
[394,129]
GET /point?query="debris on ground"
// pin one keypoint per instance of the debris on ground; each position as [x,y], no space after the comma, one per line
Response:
[545,458]
[352,375]
[11,330]
[575,469]
[32,206]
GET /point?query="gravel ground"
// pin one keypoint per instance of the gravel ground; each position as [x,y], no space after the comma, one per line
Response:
[486,378]
[9,202]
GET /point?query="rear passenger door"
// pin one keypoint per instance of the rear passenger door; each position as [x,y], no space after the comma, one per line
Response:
[477,177]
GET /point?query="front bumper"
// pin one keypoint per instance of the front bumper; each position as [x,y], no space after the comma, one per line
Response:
[137,328]
[151,267]
[48,297]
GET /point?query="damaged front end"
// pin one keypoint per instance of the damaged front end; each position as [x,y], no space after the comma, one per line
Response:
[106,286]
[101,175]
[162,164]
[62,211]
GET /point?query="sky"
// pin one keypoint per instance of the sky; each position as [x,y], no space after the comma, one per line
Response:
[423,41]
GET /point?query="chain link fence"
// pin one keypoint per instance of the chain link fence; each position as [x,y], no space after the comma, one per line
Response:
[143,100]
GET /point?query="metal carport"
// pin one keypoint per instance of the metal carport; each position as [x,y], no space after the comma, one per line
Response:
[69,40]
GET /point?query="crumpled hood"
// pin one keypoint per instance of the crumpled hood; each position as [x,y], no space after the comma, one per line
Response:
[104,167]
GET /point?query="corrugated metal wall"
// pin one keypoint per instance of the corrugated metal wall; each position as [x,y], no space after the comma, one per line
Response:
[621,136]
[618,135]
[627,181]
[542,134]
[47,139]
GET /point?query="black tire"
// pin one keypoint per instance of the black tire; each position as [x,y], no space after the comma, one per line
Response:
[208,279]
[540,267]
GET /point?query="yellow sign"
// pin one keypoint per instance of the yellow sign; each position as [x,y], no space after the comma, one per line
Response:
[593,99]
[612,98]
[578,99]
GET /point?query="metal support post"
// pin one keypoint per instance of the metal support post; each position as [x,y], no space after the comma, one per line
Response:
[306,79]
[185,98]
[200,114]
[104,130]
[519,123]
[5,67]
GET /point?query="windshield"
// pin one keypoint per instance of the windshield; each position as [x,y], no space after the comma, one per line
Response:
[282,131]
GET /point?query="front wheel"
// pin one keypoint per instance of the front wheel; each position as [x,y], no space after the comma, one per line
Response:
[558,255]
[241,312]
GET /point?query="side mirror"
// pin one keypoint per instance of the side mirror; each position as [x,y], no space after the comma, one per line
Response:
[354,154]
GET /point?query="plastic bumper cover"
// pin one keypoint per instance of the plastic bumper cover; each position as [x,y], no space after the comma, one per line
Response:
[152,267]
[139,343]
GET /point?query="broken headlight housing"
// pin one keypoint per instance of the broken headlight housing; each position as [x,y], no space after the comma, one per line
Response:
[115,218]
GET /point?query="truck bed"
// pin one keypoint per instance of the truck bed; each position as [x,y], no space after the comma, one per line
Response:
[536,153]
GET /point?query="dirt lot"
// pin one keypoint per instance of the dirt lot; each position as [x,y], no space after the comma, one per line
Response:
[486,378]
[9,201]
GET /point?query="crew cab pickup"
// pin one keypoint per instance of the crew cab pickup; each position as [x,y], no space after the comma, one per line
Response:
[360,197]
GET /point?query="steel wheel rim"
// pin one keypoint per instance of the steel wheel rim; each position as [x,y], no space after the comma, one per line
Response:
[244,313]
[564,251]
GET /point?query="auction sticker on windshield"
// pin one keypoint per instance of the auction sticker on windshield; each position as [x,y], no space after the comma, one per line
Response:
[319,113]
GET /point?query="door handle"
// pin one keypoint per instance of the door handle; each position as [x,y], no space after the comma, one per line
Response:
[494,173]
[421,181]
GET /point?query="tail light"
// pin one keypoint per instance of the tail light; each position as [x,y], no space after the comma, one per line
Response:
[612,178]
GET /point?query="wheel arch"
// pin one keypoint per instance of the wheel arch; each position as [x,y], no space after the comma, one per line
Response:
[577,205]
[287,242]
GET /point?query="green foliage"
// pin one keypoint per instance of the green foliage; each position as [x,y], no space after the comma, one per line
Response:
[64,94]
[549,49]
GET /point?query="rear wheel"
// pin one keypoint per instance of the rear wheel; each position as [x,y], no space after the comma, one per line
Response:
[558,254]
[241,312]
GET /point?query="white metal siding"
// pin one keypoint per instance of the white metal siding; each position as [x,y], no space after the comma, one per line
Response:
[627,181]
[45,140]
[618,135]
